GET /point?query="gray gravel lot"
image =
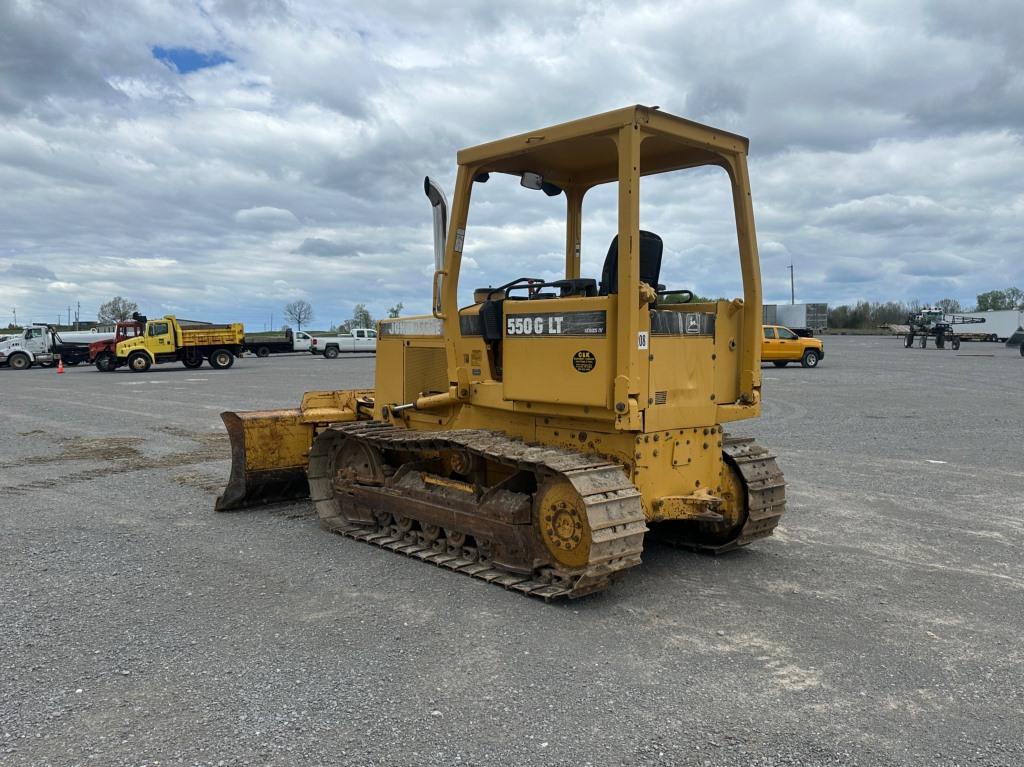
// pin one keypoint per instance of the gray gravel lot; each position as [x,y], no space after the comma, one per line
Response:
[881,625]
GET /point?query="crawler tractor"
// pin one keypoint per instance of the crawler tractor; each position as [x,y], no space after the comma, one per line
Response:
[532,437]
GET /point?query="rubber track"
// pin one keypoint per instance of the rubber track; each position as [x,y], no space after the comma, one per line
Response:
[614,511]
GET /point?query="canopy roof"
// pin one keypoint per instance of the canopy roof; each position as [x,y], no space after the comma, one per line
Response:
[584,153]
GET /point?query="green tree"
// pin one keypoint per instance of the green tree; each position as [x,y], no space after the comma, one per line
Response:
[396,310]
[869,315]
[117,309]
[361,317]
[993,300]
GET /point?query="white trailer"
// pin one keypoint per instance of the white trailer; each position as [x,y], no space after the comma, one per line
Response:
[999,325]
[803,319]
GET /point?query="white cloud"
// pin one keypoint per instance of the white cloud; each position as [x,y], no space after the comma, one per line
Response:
[266,217]
[151,263]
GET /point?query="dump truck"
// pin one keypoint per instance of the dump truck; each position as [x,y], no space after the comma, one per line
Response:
[165,340]
[103,353]
[531,438]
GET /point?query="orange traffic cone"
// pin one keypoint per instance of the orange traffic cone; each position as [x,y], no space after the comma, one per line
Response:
[60,366]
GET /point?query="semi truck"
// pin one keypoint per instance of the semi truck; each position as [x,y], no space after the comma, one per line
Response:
[40,344]
[359,340]
[35,345]
[803,319]
[165,340]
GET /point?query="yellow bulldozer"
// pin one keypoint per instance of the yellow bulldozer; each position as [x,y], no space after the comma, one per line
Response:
[532,436]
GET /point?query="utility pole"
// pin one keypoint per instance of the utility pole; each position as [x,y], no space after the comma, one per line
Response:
[15,310]
[78,313]
[792,288]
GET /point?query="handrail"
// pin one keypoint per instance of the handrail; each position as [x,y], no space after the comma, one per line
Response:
[435,307]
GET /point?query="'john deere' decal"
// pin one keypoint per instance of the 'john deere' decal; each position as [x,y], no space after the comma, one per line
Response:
[556,324]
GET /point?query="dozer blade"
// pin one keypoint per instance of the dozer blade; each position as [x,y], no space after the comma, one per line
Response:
[269,455]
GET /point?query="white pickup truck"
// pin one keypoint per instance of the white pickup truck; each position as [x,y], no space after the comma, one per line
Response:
[359,340]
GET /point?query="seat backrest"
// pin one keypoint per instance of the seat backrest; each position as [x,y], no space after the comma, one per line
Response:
[651,248]
[491,320]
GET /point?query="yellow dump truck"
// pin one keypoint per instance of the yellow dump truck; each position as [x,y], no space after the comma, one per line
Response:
[166,340]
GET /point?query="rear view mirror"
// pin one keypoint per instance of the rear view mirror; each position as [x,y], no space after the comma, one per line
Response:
[532,180]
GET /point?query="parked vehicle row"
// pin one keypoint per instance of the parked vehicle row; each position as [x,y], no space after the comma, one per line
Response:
[140,343]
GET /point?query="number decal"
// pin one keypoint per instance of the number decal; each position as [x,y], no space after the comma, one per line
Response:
[573,323]
[642,340]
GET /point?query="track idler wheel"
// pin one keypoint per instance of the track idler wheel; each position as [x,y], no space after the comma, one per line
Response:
[561,519]
[335,464]
[733,510]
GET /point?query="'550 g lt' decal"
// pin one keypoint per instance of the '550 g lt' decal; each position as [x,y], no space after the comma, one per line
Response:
[533,326]
[556,324]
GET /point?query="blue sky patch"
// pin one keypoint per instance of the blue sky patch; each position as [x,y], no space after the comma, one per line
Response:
[186,60]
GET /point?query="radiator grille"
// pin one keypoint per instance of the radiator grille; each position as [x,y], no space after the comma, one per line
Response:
[426,370]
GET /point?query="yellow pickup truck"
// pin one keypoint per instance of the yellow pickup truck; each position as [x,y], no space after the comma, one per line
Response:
[780,346]
[165,340]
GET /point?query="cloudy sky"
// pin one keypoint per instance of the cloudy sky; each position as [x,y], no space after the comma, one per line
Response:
[217,159]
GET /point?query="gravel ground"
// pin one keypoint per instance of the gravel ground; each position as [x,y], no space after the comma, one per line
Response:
[880,626]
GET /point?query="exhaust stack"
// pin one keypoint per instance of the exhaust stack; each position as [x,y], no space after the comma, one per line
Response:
[440,205]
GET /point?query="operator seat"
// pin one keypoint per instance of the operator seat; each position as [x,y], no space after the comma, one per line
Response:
[651,248]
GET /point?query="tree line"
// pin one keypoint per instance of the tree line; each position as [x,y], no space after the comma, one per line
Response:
[301,313]
[865,314]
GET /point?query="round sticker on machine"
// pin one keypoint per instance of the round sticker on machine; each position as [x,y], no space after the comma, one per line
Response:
[584,361]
